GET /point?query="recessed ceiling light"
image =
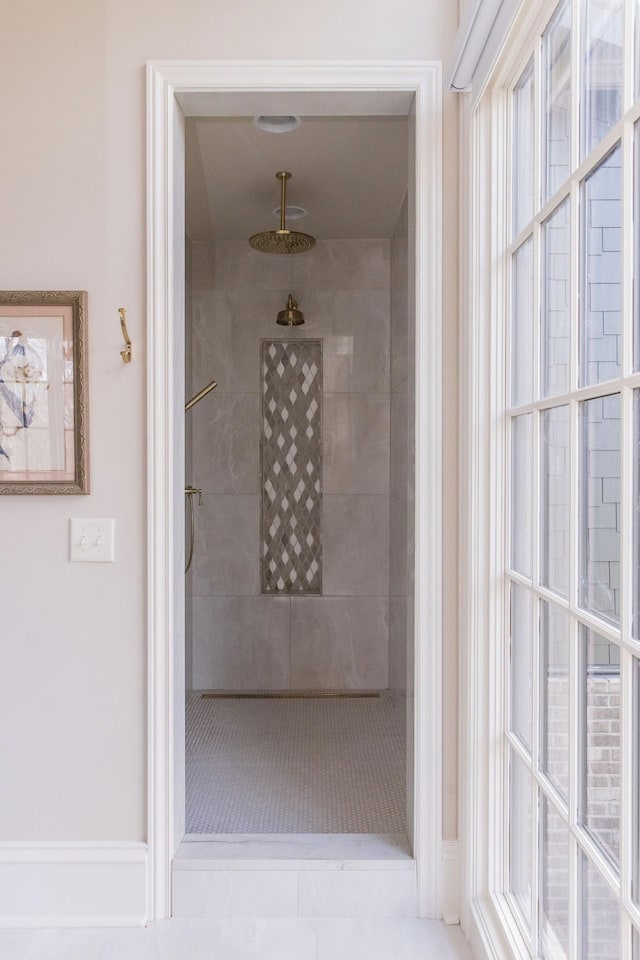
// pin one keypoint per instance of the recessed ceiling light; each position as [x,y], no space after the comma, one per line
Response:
[291,212]
[277,124]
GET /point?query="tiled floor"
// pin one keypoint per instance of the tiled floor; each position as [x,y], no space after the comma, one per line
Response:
[244,940]
[295,766]
[332,746]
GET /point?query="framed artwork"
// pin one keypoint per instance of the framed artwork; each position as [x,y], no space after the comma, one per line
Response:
[44,422]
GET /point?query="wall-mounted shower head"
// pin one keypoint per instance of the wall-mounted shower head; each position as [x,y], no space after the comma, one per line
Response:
[282,240]
[290,316]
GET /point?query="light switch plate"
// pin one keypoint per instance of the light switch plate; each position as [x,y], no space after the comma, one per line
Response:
[91,541]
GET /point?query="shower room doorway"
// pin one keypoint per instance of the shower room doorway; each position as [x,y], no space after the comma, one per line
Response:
[296,598]
[283,690]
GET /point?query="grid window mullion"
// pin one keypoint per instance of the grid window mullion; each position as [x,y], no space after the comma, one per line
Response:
[599,395]
[574,724]
[632,349]
[574,531]
[535,525]
[574,908]
[627,520]
[628,68]
[574,247]
[537,129]
[576,78]
[627,248]
[632,765]
[627,826]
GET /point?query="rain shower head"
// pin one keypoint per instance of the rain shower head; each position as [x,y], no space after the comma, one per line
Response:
[282,240]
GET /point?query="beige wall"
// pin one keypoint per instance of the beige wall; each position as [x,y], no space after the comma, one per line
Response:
[73,678]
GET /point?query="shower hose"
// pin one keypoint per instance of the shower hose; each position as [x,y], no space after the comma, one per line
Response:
[191,493]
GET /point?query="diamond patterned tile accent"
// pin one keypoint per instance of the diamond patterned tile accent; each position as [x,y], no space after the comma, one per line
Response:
[292,466]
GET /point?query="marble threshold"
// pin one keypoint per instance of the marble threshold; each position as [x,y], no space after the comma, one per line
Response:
[295,876]
[324,851]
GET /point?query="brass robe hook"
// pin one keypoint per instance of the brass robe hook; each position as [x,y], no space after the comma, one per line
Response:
[126,353]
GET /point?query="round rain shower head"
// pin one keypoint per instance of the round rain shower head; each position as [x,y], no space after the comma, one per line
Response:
[282,240]
[290,316]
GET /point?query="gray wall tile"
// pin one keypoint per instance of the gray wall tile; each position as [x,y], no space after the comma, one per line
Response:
[356,545]
[228,327]
[343,289]
[398,548]
[344,265]
[243,643]
[356,339]
[356,443]
[226,554]
[400,568]
[234,265]
[226,443]
[398,643]
[339,642]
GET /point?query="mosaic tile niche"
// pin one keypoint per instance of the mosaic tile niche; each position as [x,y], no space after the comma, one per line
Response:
[291,445]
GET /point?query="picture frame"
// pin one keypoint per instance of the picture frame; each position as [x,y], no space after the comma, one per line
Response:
[44,415]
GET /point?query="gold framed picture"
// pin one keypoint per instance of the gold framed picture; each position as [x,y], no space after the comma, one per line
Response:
[44,416]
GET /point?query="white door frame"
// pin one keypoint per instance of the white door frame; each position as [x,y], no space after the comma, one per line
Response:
[165,312]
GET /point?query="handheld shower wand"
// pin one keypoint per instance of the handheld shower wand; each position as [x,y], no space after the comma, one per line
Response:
[201,393]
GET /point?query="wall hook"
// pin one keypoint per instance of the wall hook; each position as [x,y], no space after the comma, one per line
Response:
[126,353]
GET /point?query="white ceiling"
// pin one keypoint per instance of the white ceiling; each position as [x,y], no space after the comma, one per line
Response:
[350,173]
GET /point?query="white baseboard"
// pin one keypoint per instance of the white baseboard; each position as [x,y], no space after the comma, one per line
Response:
[449,882]
[73,884]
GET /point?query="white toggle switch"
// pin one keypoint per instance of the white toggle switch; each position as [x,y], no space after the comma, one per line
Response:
[91,540]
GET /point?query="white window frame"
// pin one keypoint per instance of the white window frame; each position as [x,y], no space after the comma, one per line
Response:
[485,203]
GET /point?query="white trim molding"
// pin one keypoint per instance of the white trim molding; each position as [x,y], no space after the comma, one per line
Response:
[166,81]
[479,41]
[449,882]
[481,679]
[103,883]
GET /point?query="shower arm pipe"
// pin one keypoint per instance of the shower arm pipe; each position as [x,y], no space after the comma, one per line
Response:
[283,199]
[201,393]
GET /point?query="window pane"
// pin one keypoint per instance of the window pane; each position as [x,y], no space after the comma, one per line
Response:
[556,294]
[522,325]
[554,876]
[636,16]
[635,880]
[636,520]
[636,234]
[601,272]
[521,440]
[554,679]
[636,944]
[556,67]
[523,119]
[600,508]
[520,836]
[600,921]
[603,69]
[521,662]
[600,742]
[555,499]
